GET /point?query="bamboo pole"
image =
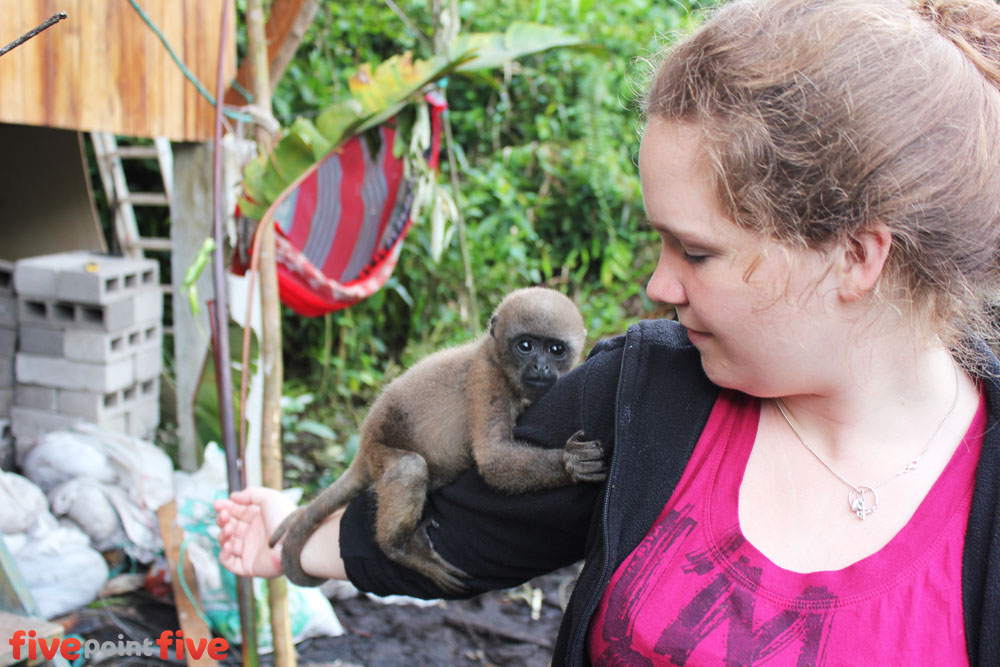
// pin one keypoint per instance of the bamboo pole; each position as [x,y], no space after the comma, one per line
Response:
[270,347]
[220,349]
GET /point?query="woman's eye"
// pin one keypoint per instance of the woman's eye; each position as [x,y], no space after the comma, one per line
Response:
[693,259]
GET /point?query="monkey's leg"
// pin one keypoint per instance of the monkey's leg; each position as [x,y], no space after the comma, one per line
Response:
[402,491]
[303,522]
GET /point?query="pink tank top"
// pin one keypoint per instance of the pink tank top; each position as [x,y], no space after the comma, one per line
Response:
[695,592]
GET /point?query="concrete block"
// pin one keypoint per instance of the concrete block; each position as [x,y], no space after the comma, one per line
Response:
[99,408]
[148,363]
[107,279]
[83,277]
[6,372]
[87,345]
[36,397]
[7,457]
[138,307]
[6,278]
[28,425]
[78,375]
[103,347]
[94,407]
[8,342]
[38,276]
[8,311]
[40,340]
[143,418]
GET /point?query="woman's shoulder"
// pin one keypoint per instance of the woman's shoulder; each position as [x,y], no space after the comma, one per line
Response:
[652,356]
[647,334]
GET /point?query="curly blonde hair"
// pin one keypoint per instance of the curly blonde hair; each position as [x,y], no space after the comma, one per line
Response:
[820,117]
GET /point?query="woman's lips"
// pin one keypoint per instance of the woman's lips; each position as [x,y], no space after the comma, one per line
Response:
[695,336]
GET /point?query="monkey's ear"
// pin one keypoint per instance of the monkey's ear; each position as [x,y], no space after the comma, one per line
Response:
[493,325]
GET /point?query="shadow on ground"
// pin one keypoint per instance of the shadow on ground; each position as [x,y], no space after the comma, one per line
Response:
[497,628]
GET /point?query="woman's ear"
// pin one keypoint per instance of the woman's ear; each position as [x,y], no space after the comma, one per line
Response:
[864,256]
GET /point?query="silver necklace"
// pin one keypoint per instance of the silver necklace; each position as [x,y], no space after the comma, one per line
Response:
[863,498]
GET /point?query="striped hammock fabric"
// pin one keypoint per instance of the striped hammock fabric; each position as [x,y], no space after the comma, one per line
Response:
[339,227]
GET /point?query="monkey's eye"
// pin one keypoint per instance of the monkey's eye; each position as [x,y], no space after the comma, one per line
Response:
[557,349]
[525,345]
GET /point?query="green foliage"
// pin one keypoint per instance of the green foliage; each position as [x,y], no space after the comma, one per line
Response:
[378,93]
[548,185]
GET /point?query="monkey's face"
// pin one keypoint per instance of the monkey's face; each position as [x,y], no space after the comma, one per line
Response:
[538,363]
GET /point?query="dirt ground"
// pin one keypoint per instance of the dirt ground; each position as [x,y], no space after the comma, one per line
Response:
[493,629]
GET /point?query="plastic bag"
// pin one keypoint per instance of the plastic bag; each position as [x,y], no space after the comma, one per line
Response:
[59,567]
[63,455]
[311,613]
[86,503]
[109,483]
[21,503]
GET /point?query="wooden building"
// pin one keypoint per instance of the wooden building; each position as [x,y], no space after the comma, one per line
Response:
[104,68]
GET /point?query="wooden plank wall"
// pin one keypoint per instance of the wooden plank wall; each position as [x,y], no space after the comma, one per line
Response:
[104,69]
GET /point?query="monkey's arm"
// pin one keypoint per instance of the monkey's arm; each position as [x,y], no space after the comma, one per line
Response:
[517,466]
[502,540]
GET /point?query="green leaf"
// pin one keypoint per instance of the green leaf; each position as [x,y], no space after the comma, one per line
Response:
[393,81]
[315,428]
[335,121]
[493,49]
[310,138]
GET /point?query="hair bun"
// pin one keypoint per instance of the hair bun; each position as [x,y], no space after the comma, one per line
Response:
[972,25]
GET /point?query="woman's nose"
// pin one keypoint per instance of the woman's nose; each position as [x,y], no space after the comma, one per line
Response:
[664,285]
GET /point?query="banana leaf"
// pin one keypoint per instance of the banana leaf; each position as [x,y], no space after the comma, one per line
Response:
[377,95]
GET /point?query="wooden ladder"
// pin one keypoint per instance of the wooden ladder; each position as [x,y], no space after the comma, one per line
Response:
[122,201]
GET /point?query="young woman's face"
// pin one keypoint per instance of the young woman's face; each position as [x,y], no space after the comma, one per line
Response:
[762,315]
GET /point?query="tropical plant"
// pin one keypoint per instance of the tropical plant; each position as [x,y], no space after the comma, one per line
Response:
[545,152]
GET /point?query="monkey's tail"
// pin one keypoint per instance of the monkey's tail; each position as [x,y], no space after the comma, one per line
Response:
[306,519]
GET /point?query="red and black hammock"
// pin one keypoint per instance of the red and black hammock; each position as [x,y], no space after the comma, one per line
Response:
[339,228]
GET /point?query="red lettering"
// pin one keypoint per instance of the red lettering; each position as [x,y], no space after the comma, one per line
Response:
[49,649]
[16,642]
[163,641]
[196,649]
[70,648]
[217,648]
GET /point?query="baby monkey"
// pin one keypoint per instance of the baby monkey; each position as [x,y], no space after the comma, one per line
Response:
[454,409]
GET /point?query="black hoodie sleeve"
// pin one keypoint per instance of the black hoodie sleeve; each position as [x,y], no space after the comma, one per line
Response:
[503,540]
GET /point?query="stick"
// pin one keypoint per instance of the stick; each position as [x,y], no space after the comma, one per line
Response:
[51,21]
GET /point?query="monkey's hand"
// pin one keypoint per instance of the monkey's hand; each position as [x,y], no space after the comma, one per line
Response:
[584,459]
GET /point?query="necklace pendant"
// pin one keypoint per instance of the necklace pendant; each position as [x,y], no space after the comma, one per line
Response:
[859,500]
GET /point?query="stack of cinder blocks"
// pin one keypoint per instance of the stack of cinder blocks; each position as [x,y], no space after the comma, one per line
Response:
[8,337]
[89,344]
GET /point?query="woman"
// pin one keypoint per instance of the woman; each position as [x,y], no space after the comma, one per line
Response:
[805,469]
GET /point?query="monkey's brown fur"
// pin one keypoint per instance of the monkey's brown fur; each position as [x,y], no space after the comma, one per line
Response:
[454,409]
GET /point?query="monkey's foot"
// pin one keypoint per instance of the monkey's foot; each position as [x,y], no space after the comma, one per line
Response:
[419,555]
[584,459]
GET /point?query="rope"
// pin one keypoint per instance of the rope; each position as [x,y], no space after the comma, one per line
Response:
[187,73]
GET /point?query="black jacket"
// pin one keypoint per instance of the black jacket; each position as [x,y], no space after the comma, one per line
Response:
[645,396]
